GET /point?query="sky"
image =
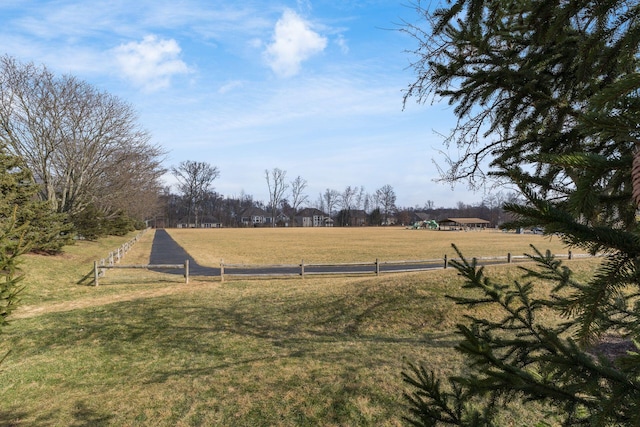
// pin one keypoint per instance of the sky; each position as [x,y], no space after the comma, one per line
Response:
[312,87]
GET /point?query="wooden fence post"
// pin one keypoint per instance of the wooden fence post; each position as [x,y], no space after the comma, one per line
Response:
[509,258]
[446,262]
[186,271]
[95,273]
[377,267]
[570,255]
[302,268]
[221,271]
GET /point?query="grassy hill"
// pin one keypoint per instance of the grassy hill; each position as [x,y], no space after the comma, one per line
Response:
[146,349]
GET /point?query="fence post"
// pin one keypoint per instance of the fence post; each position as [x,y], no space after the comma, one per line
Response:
[570,255]
[509,258]
[221,271]
[302,268]
[95,273]
[446,262]
[186,271]
[377,267]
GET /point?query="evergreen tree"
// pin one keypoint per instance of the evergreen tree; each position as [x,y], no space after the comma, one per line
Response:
[46,230]
[549,92]
[14,238]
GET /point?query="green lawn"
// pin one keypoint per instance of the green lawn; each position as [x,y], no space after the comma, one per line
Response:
[145,349]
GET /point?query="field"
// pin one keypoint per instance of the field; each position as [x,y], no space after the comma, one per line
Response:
[145,349]
[326,245]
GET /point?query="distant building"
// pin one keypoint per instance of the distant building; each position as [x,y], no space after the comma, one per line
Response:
[463,224]
[254,217]
[311,217]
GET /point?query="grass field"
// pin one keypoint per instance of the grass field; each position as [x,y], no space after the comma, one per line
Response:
[145,349]
[320,245]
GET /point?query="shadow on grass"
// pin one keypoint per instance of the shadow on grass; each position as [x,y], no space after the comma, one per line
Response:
[86,417]
[12,419]
[335,341]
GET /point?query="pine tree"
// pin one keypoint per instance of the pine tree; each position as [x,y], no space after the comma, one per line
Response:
[549,92]
[14,238]
[46,230]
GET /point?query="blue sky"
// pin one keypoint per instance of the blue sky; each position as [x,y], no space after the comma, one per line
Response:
[311,87]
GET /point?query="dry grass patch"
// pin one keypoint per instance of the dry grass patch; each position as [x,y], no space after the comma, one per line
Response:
[334,245]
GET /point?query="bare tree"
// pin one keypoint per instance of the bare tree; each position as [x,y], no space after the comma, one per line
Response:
[298,198]
[347,200]
[320,202]
[360,197]
[331,198]
[194,182]
[277,188]
[83,146]
[387,198]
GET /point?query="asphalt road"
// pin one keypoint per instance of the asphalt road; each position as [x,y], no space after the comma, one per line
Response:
[165,250]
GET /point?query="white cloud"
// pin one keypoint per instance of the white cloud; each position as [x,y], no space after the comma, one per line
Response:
[230,86]
[293,42]
[342,44]
[150,63]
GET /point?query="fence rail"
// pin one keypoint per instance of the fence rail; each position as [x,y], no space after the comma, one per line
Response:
[114,257]
[303,269]
[371,267]
[98,273]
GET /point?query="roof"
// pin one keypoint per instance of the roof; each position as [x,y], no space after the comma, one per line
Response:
[464,221]
[310,212]
[253,211]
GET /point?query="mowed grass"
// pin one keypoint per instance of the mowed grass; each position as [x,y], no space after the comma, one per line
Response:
[145,349]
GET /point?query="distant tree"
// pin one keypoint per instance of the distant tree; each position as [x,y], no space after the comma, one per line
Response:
[367,202]
[343,217]
[404,216]
[194,182]
[331,198]
[320,203]
[375,217]
[387,198]
[298,198]
[360,198]
[347,200]
[277,187]
[548,94]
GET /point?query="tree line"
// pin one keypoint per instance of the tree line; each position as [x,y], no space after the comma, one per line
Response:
[197,202]
[92,166]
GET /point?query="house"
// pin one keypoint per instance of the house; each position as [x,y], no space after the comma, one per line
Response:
[311,217]
[463,224]
[281,220]
[254,217]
